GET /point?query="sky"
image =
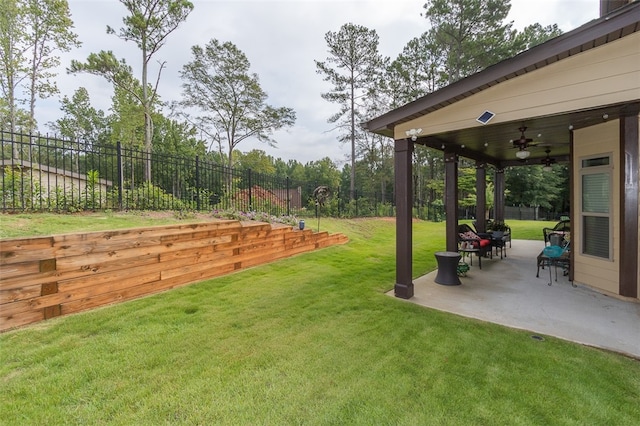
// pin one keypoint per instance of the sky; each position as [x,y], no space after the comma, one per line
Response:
[281,39]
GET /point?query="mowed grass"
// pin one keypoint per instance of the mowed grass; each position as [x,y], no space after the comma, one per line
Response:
[311,339]
[33,224]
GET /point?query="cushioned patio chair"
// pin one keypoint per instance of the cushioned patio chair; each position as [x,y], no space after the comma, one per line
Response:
[480,241]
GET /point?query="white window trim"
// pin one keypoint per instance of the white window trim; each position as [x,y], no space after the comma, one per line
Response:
[581,214]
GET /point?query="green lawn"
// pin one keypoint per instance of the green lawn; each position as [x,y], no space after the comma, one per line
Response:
[311,339]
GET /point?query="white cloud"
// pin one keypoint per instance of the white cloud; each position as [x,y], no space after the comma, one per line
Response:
[281,38]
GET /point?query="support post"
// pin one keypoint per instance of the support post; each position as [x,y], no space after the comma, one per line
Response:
[198,200]
[481,196]
[451,199]
[404,203]
[629,141]
[498,197]
[120,174]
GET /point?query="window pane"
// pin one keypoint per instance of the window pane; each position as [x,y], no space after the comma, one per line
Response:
[595,193]
[596,236]
[595,162]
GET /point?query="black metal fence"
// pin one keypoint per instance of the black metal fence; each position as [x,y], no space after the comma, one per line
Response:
[41,173]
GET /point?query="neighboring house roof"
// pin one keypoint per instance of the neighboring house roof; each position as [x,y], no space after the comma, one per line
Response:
[599,32]
[54,171]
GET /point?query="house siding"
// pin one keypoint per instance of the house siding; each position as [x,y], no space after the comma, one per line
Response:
[601,76]
[602,139]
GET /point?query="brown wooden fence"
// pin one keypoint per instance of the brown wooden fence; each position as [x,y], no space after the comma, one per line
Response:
[45,277]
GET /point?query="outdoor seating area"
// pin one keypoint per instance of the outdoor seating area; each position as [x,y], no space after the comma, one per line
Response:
[482,244]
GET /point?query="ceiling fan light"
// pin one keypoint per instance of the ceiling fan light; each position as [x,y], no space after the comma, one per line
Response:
[547,168]
[523,154]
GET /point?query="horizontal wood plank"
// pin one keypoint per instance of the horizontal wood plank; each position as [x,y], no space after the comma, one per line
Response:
[46,276]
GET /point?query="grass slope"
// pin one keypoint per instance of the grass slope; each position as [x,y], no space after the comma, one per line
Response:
[308,340]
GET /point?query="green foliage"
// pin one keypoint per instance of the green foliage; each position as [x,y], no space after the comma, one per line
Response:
[81,122]
[149,197]
[467,186]
[495,225]
[16,188]
[532,187]
[255,160]
[92,192]
[462,29]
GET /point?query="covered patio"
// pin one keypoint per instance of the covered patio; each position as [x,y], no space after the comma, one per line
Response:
[507,292]
[574,99]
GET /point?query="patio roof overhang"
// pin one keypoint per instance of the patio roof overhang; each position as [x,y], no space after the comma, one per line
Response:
[554,127]
[574,81]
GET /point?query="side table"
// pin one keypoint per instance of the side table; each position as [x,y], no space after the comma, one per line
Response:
[447,268]
[470,252]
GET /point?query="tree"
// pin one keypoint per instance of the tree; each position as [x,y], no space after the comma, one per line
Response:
[13,57]
[351,68]
[471,35]
[415,71]
[176,138]
[532,187]
[31,33]
[255,160]
[533,35]
[128,119]
[217,82]
[149,24]
[81,122]
[49,23]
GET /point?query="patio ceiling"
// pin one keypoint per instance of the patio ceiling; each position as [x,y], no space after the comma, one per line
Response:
[551,133]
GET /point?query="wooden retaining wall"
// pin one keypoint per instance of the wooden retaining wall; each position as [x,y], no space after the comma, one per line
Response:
[45,277]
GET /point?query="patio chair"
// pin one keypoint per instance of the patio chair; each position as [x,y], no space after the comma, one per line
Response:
[499,242]
[555,255]
[560,229]
[473,242]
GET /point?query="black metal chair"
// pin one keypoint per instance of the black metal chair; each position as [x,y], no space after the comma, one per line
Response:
[499,242]
[560,229]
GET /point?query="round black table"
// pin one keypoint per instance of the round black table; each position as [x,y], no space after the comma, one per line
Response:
[447,268]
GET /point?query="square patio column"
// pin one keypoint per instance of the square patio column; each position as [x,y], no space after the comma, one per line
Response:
[498,198]
[481,196]
[629,212]
[403,157]
[451,199]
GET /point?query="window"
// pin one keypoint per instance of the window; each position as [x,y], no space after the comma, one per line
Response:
[595,214]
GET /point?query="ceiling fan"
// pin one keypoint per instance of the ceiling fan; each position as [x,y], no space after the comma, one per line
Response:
[547,161]
[522,144]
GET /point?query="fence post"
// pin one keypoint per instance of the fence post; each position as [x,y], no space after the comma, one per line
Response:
[288,197]
[120,174]
[250,192]
[198,202]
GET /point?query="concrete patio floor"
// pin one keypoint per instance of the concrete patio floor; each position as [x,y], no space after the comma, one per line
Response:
[506,291]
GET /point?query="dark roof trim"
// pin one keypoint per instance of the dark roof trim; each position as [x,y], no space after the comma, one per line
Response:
[611,27]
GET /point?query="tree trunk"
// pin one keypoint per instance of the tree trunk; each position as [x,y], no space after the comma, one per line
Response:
[148,124]
[352,187]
